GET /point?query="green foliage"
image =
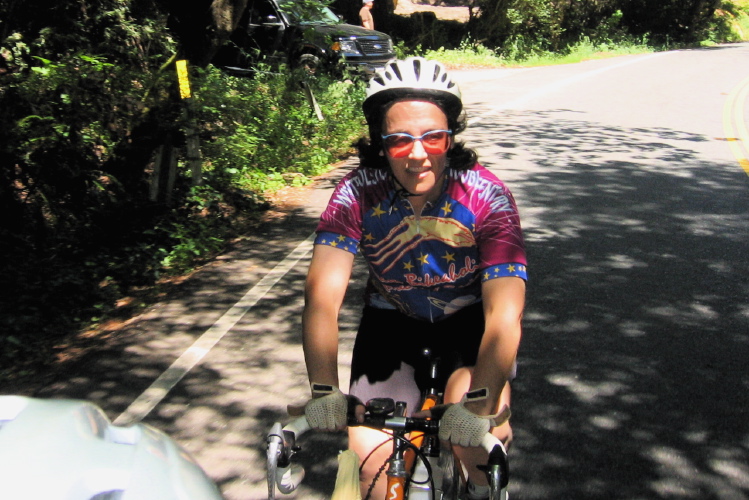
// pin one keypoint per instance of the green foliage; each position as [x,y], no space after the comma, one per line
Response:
[195,230]
[80,229]
[521,29]
[669,21]
[308,10]
[423,31]
[402,51]
[469,54]
[261,128]
[730,23]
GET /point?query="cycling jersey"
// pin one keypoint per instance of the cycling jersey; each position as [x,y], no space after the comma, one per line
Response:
[430,266]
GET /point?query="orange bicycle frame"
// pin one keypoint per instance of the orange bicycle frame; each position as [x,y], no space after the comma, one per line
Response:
[396,481]
[396,489]
[417,438]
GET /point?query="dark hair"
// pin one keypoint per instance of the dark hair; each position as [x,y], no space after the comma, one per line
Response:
[459,156]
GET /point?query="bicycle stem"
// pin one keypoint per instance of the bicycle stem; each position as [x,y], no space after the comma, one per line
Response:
[396,472]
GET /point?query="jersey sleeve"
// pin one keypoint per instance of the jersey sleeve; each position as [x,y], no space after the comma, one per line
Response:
[500,237]
[340,225]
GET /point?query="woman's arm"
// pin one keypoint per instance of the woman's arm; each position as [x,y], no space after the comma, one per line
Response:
[504,300]
[327,281]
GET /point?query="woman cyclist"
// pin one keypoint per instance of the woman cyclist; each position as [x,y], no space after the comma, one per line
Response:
[441,236]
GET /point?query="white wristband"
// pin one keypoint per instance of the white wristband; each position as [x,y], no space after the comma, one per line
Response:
[322,389]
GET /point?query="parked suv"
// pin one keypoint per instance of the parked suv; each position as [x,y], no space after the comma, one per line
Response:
[302,33]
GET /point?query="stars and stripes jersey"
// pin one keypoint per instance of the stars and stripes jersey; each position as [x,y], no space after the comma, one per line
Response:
[431,266]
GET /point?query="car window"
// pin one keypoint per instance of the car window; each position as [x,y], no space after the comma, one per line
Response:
[308,12]
[260,10]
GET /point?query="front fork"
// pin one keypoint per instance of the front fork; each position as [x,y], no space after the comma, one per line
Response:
[497,473]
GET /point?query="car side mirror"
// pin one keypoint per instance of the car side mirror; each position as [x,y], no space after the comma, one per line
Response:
[271,19]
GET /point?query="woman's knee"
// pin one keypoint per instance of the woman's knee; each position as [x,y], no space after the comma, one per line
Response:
[373,448]
[458,384]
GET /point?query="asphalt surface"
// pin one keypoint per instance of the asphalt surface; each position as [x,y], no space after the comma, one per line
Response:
[632,371]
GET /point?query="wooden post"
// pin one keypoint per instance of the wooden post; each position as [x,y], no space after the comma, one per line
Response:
[171,176]
[312,101]
[164,173]
[153,192]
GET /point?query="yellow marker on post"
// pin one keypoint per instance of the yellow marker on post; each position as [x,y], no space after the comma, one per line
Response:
[183,79]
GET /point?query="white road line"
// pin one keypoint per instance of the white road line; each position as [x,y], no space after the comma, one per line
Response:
[556,86]
[158,390]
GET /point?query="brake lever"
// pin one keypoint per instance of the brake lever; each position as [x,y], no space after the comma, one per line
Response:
[273,451]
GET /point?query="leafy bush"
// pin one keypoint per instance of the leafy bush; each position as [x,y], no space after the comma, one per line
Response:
[730,23]
[71,99]
[258,129]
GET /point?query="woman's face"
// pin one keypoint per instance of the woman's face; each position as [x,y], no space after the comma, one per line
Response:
[419,172]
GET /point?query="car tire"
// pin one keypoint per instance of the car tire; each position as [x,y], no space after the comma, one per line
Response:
[309,62]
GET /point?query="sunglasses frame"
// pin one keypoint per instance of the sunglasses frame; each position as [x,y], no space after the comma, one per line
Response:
[413,141]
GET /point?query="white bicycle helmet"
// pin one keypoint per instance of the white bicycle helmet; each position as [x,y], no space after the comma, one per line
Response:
[413,77]
[69,450]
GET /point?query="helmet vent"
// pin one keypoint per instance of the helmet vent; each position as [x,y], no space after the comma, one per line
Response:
[417,68]
[437,77]
[395,69]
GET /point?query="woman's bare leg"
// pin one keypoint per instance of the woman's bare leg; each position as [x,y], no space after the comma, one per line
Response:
[363,441]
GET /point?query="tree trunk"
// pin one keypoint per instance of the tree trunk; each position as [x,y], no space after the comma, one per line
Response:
[203,26]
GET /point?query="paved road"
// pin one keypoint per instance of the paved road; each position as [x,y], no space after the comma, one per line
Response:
[630,177]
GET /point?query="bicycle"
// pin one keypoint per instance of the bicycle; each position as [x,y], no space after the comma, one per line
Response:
[418,469]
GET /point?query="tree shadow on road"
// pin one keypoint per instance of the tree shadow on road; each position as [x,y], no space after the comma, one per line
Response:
[632,370]
[223,408]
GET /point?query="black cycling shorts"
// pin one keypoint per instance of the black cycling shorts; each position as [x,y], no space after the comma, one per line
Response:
[389,361]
